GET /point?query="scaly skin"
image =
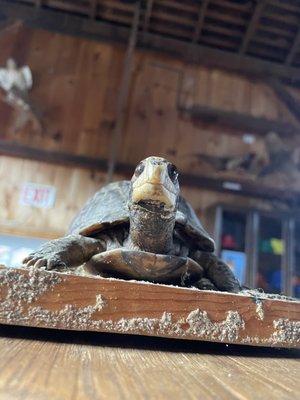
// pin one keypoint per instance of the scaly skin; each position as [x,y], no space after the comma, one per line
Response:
[67,252]
[218,275]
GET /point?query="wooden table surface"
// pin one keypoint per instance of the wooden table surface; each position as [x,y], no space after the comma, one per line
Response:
[40,364]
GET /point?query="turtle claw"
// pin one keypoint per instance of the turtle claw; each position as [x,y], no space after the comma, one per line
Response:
[67,252]
[33,261]
[56,262]
[205,284]
[44,258]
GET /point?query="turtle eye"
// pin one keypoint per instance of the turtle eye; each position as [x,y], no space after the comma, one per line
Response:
[173,173]
[139,169]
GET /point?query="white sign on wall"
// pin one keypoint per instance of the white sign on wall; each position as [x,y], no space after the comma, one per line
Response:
[36,195]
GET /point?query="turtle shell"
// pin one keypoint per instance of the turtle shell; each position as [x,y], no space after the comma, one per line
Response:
[109,207]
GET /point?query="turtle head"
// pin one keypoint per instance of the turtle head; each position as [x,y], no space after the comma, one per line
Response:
[153,203]
[155,187]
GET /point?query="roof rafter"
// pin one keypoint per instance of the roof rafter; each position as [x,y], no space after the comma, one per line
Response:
[200,22]
[55,20]
[252,25]
[149,7]
[294,49]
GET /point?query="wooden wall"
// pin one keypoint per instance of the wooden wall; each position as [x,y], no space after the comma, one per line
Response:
[75,91]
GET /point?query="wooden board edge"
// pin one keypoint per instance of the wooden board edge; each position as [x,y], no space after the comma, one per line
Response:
[39,298]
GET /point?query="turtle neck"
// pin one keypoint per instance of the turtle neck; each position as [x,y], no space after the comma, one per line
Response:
[151,231]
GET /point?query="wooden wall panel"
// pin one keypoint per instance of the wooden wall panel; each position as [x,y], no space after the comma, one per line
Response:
[76,86]
[71,80]
[73,188]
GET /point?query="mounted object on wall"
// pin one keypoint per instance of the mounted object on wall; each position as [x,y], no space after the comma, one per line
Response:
[16,83]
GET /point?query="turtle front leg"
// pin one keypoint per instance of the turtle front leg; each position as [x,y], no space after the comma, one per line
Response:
[217,272]
[67,252]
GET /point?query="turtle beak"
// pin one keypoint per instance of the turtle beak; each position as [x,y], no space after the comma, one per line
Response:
[152,186]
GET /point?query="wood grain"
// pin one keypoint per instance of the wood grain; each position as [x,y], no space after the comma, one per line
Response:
[39,298]
[60,365]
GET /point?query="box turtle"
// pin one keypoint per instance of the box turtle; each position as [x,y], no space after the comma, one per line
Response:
[140,229]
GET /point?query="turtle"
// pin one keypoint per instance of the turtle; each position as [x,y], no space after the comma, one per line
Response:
[141,229]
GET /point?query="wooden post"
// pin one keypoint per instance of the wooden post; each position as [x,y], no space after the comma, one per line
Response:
[123,94]
[286,97]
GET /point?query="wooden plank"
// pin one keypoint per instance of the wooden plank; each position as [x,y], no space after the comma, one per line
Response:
[286,97]
[268,30]
[241,6]
[149,7]
[288,22]
[200,22]
[45,299]
[9,26]
[240,121]
[65,6]
[294,49]
[211,28]
[258,49]
[226,17]
[174,19]
[179,5]
[290,6]
[160,26]
[275,43]
[51,364]
[252,25]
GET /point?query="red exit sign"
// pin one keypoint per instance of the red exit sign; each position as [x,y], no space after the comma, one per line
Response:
[35,195]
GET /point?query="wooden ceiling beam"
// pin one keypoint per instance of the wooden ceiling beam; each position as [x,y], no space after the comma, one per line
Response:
[200,22]
[61,5]
[93,8]
[294,49]
[247,189]
[180,6]
[241,6]
[276,43]
[166,29]
[163,16]
[226,18]
[285,6]
[109,15]
[149,7]
[252,25]
[9,25]
[286,97]
[275,30]
[187,51]
[288,20]
[239,121]
[123,93]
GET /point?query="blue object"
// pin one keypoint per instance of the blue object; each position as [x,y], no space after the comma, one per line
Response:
[14,248]
[236,260]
